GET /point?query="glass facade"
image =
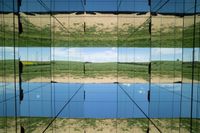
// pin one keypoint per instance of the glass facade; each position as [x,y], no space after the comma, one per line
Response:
[85,66]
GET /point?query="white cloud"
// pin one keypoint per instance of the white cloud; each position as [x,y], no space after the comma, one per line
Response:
[141,92]
[197,54]
[8,53]
[137,57]
[38,96]
[60,52]
[66,54]
[101,55]
[114,48]
[128,85]
[74,51]
[166,51]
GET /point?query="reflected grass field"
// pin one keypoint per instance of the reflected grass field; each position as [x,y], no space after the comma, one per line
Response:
[140,125]
[96,36]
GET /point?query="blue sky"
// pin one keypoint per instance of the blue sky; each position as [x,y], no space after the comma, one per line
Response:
[103,5]
[104,54]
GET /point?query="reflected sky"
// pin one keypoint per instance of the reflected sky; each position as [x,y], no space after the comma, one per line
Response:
[171,6]
[103,54]
[106,100]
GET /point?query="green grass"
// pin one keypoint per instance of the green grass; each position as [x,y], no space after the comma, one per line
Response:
[167,69]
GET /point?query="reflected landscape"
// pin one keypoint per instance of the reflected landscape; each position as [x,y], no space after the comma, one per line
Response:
[99,66]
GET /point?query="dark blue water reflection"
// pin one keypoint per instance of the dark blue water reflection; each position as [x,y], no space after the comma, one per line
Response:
[103,100]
